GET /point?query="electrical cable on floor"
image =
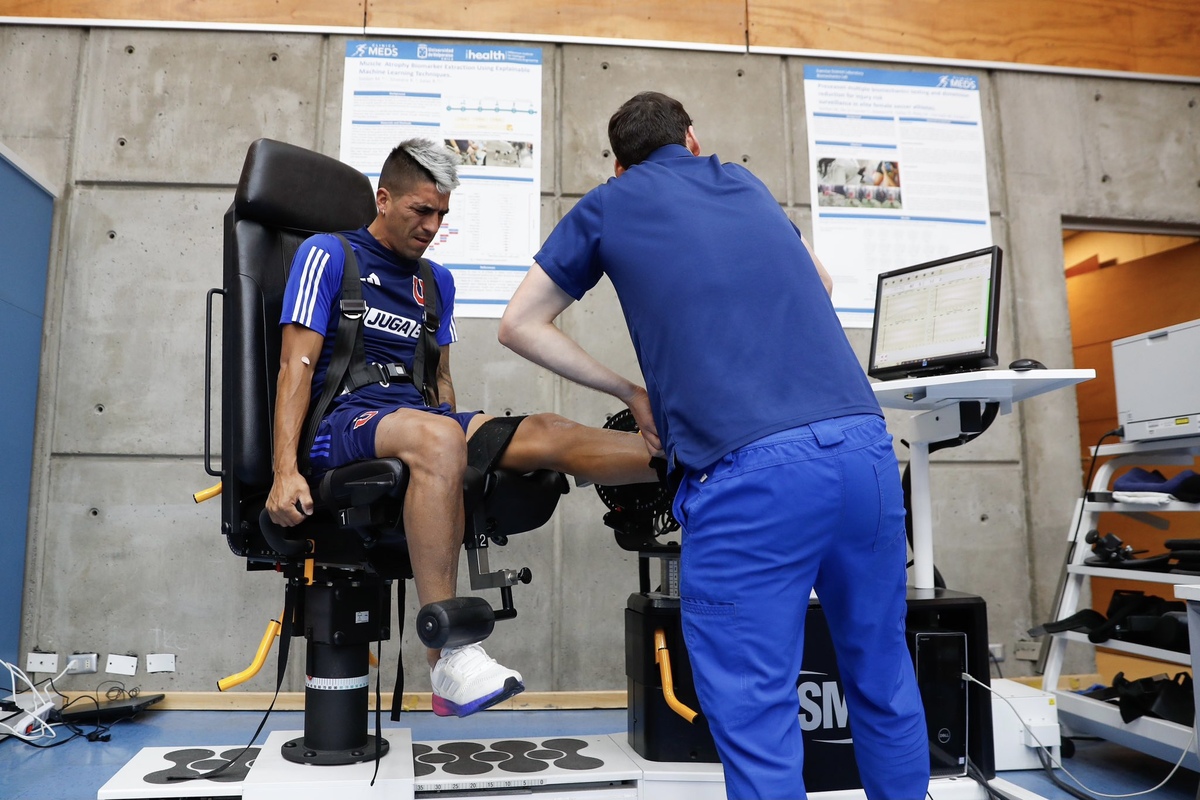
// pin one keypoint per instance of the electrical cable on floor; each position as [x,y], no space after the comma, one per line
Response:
[1049,760]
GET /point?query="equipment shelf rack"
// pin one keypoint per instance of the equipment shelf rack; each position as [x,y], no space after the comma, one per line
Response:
[1156,737]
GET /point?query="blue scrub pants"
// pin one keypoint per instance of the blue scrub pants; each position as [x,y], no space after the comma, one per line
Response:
[819,506]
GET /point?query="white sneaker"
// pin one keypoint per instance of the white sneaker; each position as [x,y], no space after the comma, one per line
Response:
[466,679]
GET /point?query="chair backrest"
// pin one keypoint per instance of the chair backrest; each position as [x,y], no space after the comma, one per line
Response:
[285,194]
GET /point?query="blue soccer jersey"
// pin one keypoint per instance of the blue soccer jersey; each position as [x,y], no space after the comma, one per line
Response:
[395,299]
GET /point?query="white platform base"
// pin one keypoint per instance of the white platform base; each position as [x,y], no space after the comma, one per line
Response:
[272,777]
[556,768]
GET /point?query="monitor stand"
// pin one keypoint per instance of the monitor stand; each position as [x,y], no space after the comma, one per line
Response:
[949,406]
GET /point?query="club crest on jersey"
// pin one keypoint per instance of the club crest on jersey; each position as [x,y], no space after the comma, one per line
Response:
[362,419]
[419,291]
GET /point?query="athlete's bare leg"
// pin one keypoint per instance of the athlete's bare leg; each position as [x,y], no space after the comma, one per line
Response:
[434,450]
[549,441]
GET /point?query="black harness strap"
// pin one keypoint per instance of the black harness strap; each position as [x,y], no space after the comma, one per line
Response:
[425,361]
[348,368]
[347,344]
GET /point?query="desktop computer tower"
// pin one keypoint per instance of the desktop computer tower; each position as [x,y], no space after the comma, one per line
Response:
[947,630]
[940,659]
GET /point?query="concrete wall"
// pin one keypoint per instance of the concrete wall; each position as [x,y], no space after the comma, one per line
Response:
[144,133]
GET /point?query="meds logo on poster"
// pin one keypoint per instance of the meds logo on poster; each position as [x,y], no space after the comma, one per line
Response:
[376,49]
[957,82]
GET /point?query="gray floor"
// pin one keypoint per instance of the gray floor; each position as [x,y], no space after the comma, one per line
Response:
[77,769]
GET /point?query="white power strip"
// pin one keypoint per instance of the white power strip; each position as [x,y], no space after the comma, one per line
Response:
[26,721]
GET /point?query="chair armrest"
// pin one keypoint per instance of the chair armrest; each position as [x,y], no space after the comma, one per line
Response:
[361,483]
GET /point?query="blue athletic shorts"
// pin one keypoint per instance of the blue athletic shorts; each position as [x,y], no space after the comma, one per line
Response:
[347,434]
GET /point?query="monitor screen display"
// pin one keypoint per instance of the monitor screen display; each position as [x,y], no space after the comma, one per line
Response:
[937,317]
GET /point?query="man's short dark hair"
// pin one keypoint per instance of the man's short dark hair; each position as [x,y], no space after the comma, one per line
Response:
[415,161]
[645,123]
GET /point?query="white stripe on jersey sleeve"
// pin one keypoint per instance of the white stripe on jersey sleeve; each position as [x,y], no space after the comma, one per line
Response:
[310,279]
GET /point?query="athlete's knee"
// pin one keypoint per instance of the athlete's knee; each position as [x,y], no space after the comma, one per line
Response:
[426,442]
[547,427]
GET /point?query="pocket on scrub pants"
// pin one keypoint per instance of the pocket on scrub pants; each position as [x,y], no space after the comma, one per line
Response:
[891,502]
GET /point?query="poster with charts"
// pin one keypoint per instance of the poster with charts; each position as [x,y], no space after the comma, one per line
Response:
[898,175]
[484,103]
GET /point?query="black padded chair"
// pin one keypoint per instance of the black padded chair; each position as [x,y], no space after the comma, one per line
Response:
[340,563]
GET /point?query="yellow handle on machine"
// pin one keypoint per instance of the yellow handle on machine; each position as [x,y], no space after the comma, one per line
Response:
[264,647]
[662,657]
[260,658]
[207,494]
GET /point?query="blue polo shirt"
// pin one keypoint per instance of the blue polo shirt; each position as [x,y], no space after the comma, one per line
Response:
[735,334]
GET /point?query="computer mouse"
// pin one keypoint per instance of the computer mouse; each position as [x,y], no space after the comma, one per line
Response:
[1024,364]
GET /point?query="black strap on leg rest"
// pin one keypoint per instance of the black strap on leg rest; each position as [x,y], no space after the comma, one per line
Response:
[485,448]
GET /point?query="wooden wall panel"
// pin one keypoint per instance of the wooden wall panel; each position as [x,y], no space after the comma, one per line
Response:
[1146,37]
[327,13]
[1131,298]
[707,21]
[1124,300]
[1157,37]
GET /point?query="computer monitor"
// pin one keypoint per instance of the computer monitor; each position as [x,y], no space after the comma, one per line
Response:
[937,317]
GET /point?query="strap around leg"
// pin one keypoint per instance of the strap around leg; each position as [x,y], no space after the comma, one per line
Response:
[490,441]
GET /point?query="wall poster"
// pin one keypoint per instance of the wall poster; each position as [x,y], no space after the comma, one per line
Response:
[484,102]
[898,175]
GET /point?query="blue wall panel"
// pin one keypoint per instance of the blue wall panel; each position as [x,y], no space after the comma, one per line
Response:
[26,214]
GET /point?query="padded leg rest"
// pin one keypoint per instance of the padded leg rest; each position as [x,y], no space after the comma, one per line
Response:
[516,503]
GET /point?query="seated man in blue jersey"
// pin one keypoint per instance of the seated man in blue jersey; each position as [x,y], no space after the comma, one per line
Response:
[391,419]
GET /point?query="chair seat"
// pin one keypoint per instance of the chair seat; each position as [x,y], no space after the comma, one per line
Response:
[368,496]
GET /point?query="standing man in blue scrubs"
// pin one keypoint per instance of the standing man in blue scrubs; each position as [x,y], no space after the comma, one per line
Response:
[787,479]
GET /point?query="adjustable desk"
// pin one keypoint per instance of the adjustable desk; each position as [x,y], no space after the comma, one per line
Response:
[950,403]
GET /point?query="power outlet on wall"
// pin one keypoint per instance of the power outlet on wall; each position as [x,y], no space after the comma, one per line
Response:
[83,663]
[1027,650]
[41,662]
